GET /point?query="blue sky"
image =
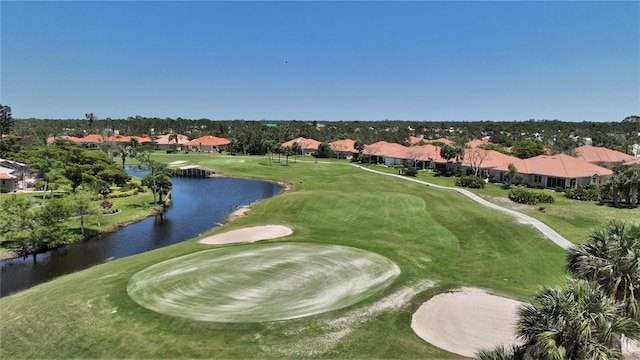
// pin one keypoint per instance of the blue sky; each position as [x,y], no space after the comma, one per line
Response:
[305,60]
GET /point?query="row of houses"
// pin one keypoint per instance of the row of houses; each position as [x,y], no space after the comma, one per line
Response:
[592,165]
[161,142]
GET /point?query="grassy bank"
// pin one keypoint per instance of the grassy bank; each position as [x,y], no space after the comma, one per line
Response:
[573,219]
[439,239]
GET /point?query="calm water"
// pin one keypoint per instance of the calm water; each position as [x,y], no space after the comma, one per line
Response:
[199,204]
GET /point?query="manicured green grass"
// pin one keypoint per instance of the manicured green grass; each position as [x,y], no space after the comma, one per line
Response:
[573,219]
[439,239]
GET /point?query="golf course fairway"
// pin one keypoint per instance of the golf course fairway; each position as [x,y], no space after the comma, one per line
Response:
[267,282]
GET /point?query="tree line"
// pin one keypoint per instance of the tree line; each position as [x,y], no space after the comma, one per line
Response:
[82,179]
[558,135]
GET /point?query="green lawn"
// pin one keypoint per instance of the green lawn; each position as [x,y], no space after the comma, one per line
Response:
[439,239]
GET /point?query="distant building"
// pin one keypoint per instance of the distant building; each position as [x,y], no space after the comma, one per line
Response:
[208,144]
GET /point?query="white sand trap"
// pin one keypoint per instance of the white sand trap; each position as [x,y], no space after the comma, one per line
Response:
[250,234]
[466,320]
[175,163]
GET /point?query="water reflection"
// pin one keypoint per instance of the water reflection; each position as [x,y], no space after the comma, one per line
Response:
[199,204]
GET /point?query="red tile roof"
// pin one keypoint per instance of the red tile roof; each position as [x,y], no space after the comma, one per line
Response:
[6,176]
[209,140]
[345,145]
[164,140]
[560,165]
[594,154]
[304,143]
[383,148]
[492,159]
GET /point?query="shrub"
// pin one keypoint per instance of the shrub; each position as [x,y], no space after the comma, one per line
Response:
[4,190]
[410,171]
[526,196]
[470,182]
[120,194]
[132,186]
[592,193]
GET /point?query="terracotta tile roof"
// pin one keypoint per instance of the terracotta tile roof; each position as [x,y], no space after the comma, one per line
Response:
[164,140]
[632,162]
[492,158]
[478,142]
[304,143]
[560,165]
[415,140]
[383,148]
[4,175]
[209,140]
[92,138]
[442,140]
[343,145]
[52,139]
[594,154]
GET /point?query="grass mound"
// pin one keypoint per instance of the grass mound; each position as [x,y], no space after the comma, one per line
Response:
[262,283]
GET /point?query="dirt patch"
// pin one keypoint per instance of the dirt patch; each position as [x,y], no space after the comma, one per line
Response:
[467,319]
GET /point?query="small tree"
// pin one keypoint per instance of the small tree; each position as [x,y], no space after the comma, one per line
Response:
[84,207]
[287,151]
[6,121]
[359,146]
[511,174]
[324,150]
[476,157]
[295,147]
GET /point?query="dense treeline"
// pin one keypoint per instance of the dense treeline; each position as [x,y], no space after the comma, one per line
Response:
[558,135]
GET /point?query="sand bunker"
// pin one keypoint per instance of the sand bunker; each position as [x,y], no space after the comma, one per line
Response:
[250,234]
[466,320]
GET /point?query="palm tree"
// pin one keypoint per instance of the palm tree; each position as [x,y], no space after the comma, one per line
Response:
[295,147]
[611,259]
[500,352]
[632,182]
[574,322]
[359,146]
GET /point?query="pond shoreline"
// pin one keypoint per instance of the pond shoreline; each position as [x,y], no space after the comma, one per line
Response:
[240,212]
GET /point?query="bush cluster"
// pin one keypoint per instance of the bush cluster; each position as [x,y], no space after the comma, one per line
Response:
[526,196]
[591,193]
[410,171]
[121,194]
[470,182]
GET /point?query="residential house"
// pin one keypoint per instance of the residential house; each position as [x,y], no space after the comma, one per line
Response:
[166,141]
[208,144]
[602,156]
[343,149]
[385,153]
[7,181]
[555,171]
[484,161]
[13,174]
[307,146]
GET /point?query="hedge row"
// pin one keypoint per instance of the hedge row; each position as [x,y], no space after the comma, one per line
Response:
[526,196]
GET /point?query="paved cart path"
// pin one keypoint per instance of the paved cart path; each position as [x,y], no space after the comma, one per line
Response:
[546,230]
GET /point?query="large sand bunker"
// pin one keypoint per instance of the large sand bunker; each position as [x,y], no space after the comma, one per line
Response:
[249,234]
[466,320]
[267,282]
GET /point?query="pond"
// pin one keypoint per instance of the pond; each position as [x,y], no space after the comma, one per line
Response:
[199,204]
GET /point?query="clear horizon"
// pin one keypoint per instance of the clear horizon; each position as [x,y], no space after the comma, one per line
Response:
[324,61]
